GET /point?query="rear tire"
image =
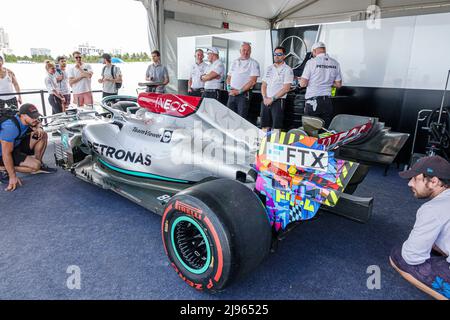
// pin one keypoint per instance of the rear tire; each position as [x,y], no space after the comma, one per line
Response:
[214,233]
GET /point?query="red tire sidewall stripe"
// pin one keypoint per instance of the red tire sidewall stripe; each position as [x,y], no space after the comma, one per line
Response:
[219,249]
[162,227]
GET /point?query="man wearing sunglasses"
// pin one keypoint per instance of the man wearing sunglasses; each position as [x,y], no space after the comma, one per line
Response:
[22,146]
[80,81]
[276,83]
[320,74]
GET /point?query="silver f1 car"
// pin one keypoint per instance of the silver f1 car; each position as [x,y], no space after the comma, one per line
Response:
[225,190]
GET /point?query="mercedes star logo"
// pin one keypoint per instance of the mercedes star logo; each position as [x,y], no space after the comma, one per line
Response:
[296,49]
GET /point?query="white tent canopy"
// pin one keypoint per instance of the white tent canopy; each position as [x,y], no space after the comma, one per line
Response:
[170,19]
[264,14]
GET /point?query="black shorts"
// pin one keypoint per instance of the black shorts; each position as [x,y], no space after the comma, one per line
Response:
[212,94]
[273,116]
[239,104]
[67,98]
[324,109]
[195,93]
[10,103]
[21,152]
[56,104]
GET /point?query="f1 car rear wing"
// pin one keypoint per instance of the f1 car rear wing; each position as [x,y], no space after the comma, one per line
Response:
[297,175]
[332,141]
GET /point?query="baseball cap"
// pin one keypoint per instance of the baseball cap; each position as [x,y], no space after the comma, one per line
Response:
[318,45]
[434,166]
[213,50]
[30,110]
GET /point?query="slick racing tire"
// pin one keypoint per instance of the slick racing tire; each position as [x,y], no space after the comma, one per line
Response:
[214,233]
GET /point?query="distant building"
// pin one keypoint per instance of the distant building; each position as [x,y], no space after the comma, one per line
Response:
[116,52]
[4,42]
[88,50]
[4,38]
[40,52]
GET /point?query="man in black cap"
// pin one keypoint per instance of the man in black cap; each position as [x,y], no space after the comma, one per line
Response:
[22,146]
[424,258]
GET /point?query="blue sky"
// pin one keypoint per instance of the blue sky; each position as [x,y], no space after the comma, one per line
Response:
[61,25]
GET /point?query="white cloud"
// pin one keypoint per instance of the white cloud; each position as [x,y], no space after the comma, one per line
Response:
[61,25]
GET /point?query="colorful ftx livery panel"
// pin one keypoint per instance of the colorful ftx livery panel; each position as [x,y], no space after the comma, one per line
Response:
[297,174]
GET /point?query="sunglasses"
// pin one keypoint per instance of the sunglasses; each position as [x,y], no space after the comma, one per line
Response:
[278,54]
[77,58]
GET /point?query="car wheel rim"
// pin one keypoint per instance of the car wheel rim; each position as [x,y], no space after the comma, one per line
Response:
[190,244]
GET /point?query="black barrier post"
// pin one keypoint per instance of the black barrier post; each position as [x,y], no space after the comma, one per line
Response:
[44,109]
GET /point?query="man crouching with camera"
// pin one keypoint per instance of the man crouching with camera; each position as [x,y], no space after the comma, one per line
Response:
[22,146]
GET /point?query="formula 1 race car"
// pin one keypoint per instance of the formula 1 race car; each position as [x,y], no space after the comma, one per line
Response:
[226,191]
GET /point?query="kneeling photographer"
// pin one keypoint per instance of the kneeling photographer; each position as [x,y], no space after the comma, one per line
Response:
[22,146]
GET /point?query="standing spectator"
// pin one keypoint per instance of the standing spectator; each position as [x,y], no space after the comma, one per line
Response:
[62,78]
[319,76]
[158,73]
[195,84]
[111,77]
[275,86]
[241,78]
[213,75]
[8,83]
[80,81]
[55,98]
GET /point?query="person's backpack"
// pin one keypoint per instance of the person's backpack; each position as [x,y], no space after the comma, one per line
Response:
[10,114]
[113,67]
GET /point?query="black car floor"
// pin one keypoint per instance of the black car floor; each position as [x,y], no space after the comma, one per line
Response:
[56,221]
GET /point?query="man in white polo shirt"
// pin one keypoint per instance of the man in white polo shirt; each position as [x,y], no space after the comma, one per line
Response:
[423,259]
[195,84]
[320,74]
[80,80]
[241,78]
[213,75]
[276,83]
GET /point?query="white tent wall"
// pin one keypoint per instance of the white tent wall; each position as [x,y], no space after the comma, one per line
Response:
[152,22]
[404,52]
[326,11]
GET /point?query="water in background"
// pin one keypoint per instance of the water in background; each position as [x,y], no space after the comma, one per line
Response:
[31,77]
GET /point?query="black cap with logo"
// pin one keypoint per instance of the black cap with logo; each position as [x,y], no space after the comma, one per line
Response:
[30,110]
[434,166]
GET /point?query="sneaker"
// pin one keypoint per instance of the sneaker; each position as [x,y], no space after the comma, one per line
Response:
[4,177]
[46,169]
